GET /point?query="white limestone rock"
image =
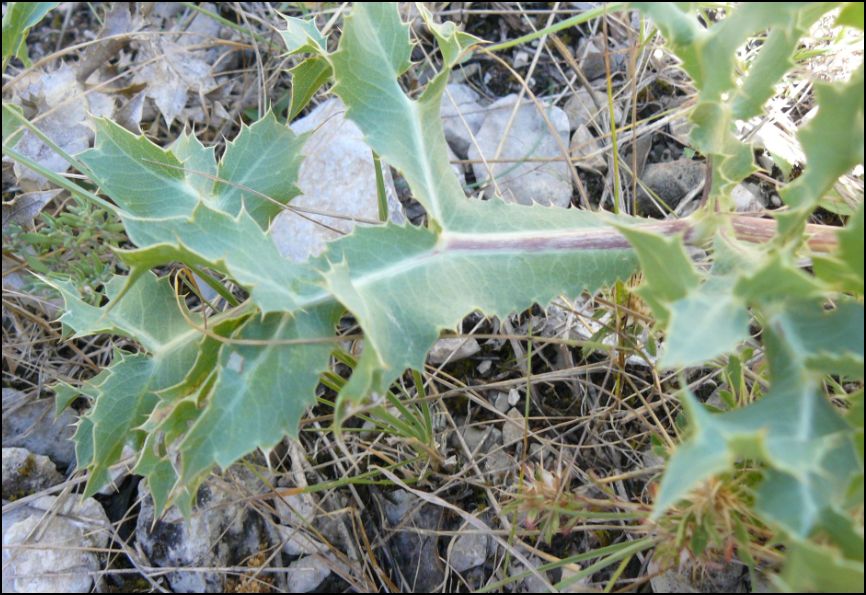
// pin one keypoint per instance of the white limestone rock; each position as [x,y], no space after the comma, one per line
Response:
[520,176]
[462,116]
[69,531]
[337,180]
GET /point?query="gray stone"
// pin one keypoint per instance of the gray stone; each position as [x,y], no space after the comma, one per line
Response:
[765,161]
[671,181]
[69,530]
[501,402]
[295,515]
[513,429]
[581,585]
[297,541]
[11,517]
[295,509]
[581,111]
[591,56]
[520,170]
[651,459]
[451,350]
[399,505]
[307,573]
[499,465]
[747,198]
[31,424]
[779,140]
[540,453]
[337,177]
[469,550]
[461,116]
[521,59]
[728,578]
[43,91]
[222,531]
[415,547]
[475,438]
[513,397]
[25,473]
[586,151]
[592,62]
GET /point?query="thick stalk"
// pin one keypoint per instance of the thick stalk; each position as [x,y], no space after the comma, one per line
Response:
[821,238]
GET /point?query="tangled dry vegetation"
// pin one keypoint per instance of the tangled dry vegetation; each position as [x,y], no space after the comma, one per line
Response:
[525,456]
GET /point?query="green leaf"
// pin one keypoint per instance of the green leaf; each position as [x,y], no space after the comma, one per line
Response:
[19,18]
[810,567]
[170,213]
[125,394]
[303,36]
[140,177]
[149,313]
[826,341]
[404,132]
[258,170]
[236,246]
[260,392]
[451,40]
[667,270]
[792,429]
[198,162]
[367,268]
[851,15]
[721,317]
[307,78]
[839,122]
[12,127]
[774,59]
[681,303]
[710,57]
[384,276]
[776,279]
[124,401]
[159,471]
[844,268]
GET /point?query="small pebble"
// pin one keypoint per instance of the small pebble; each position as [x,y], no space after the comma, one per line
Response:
[469,551]
[501,402]
[513,397]
[513,429]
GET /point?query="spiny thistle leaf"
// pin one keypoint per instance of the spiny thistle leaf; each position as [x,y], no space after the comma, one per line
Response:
[255,168]
[792,429]
[245,382]
[710,57]
[204,393]
[844,269]
[408,134]
[388,291]
[260,391]
[839,123]
[811,455]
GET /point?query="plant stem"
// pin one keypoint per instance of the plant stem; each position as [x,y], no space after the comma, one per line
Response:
[821,238]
